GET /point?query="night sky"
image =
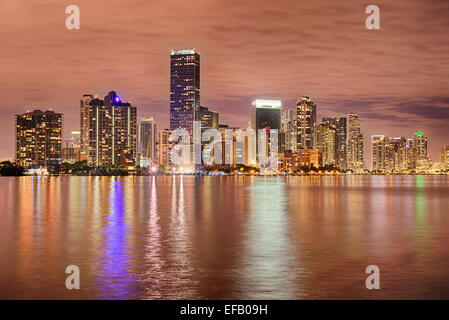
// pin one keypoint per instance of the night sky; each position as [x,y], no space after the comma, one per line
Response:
[396,78]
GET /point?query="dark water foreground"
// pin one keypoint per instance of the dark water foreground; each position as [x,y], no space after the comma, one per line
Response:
[224,237]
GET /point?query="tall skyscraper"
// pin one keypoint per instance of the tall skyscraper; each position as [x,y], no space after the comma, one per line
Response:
[340,126]
[38,139]
[86,115]
[164,147]
[355,144]
[265,114]
[75,139]
[208,118]
[378,152]
[148,136]
[325,141]
[305,123]
[184,88]
[389,154]
[108,131]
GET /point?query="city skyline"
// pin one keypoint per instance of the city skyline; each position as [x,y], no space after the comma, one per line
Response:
[391,79]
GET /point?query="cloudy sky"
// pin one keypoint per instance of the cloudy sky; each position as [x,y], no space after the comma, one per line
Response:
[396,78]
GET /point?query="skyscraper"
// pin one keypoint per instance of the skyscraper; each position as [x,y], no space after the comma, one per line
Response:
[444,157]
[287,136]
[305,123]
[340,126]
[325,141]
[164,147]
[265,114]
[108,131]
[147,139]
[378,152]
[38,139]
[184,88]
[420,144]
[355,143]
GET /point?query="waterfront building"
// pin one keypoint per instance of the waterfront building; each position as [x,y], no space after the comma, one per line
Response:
[266,115]
[305,123]
[164,147]
[148,136]
[444,157]
[355,155]
[38,139]
[184,88]
[325,141]
[209,119]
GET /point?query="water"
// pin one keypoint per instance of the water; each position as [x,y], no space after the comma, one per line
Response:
[224,237]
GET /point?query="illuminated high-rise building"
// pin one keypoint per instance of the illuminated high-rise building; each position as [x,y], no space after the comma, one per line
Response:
[75,139]
[305,123]
[38,139]
[266,115]
[378,152]
[444,157]
[389,154]
[396,154]
[420,144]
[287,137]
[184,88]
[108,131]
[355,157]
[208,118]
[148,136]
[340,126]
[164,147]
[325,141]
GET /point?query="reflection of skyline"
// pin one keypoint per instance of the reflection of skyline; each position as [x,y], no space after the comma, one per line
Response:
[223,237]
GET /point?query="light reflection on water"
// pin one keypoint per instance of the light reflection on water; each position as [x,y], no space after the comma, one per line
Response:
[224,237]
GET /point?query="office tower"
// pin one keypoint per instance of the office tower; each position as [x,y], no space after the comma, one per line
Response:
[340,126]
[355,144]
[444,158]
[75,139]
[38,139]
[209,119]
[305,123]
[184,88]
[147,140]
[378,150]
[287,136]
[108,131]
[266,115]
[325,141]
[164,147]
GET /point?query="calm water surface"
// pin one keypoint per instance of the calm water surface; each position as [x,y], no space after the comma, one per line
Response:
[224,237]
